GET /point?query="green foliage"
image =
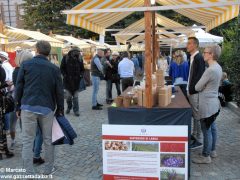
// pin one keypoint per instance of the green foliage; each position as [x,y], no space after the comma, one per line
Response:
[230,59]
[46,15]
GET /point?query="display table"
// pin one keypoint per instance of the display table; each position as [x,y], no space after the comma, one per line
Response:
[177,113]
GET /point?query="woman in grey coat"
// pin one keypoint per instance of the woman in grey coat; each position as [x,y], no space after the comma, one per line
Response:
[209,104]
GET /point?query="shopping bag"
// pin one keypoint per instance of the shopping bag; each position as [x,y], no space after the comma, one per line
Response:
[57,133]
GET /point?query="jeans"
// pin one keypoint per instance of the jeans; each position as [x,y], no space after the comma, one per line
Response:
[72,100]
[13,121]
[96,83]
[6,122]
[29,128]
[209,138]
[37,144]
[109,89]
[126,82]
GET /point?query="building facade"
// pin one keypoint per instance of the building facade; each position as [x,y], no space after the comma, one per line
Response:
[10,12]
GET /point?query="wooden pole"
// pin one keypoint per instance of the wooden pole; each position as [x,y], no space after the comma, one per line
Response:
[153,42]
[148,56]
[2,32]
[157,48]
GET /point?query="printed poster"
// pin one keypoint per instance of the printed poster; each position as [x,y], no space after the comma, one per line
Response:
[139,152]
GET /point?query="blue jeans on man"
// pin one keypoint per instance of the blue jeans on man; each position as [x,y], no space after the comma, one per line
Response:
[37,144]
[209,138]
[96,84]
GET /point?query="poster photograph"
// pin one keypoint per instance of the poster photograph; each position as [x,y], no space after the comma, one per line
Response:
[136,152]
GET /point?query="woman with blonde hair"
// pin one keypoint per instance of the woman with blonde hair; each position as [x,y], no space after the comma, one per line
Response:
[209,104]
[179,70]
[20,57]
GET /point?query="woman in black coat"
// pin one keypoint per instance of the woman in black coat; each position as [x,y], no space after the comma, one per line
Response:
[112,76]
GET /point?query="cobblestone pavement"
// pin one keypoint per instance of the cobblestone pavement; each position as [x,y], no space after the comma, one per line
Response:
[83,160]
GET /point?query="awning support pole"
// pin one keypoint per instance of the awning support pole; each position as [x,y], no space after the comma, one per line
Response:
[148,56]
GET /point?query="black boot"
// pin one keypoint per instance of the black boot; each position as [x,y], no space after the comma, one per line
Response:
[9,154]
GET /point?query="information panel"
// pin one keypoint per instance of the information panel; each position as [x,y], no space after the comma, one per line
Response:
[139,152]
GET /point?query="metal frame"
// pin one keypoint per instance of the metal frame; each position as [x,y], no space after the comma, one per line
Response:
[153,8]
[139,34]
[162,28]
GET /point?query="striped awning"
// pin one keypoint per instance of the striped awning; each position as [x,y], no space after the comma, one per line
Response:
[24,45]
[210,17]
[96,44]
[19,36]
[72,41]
[99,22]
[139,27]
[122,48]
[3,39]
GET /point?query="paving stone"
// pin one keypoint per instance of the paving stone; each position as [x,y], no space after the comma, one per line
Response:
[83,160]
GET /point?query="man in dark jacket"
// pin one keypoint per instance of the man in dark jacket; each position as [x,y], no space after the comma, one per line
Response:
[197,68]
[72,69]
[39,92]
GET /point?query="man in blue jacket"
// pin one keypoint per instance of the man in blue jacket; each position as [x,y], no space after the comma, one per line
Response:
[39,93]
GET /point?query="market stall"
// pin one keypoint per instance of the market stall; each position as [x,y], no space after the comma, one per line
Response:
[174,110]
[26,39]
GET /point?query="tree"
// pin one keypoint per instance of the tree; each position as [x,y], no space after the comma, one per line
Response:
[230,58]
[46,16]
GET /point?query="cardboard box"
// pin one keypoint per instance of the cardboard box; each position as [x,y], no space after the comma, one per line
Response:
[142,98]
[127,100]
[119,101]
[154,80]
[163,97]
[160,79]
[169,94]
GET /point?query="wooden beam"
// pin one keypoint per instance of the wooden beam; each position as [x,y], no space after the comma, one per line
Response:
[148,56]
[154,8]
[153,41]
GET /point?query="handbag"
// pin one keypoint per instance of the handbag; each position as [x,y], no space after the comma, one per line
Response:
[57,133]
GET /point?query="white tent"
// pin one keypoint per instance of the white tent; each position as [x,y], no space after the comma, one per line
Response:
[72,41]
[205,39]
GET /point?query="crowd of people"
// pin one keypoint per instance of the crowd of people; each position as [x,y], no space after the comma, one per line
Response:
[33,92]
[115,69]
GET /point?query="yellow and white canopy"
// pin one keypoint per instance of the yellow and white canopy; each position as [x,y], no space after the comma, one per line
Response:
[19,36]
[210,17]
[3,39]
[74,41]
[99,22]
[139,27]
